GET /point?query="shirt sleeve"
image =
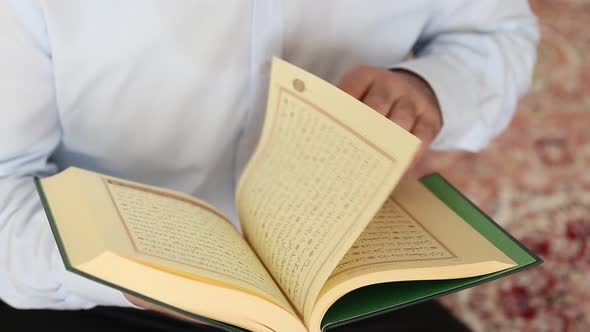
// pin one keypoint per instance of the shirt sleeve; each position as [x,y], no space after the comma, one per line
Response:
[32,274]
[478,57]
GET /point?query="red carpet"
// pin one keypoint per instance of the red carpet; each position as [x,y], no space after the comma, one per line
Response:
[535,181]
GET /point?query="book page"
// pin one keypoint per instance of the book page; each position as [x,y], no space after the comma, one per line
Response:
[393,236]
[323,167]
[188,237]
[414,236]
[415,229]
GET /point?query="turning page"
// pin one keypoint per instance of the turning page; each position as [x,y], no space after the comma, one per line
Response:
[324,166]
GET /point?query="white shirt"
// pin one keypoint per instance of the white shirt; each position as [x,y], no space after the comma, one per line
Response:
[171,93]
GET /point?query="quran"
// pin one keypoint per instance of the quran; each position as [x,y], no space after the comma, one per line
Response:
[331,230]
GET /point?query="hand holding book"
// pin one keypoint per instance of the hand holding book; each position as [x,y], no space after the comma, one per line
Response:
[141,303]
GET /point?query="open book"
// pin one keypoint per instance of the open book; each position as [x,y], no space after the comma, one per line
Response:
[331,231]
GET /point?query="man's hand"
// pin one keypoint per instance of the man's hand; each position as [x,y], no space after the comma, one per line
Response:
[399,95]
[150,306]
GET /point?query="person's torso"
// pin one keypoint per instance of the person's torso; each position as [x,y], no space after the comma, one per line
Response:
[173,93]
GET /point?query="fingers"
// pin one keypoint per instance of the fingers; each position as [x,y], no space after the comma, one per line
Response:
[357,82]
[403,97]
[154,307]
[425,130]
[404,112]
[379,98]
[426,133]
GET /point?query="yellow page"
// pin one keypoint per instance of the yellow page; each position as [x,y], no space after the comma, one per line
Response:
[162,229]
[323,167]
[414,236]
[413,230]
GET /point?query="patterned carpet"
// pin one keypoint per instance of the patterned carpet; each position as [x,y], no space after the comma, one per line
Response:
[535,181]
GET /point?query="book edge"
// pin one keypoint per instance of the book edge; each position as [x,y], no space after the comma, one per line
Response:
[536,260]
[499,275]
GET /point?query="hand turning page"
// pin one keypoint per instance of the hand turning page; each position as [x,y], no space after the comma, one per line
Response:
[331,234]
[316,179]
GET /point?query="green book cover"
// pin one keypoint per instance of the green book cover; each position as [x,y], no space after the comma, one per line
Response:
[377,299]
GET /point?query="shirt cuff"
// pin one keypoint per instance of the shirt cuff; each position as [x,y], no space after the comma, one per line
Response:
[455,98]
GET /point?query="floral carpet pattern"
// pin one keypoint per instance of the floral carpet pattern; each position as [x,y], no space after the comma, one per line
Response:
[535,181]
